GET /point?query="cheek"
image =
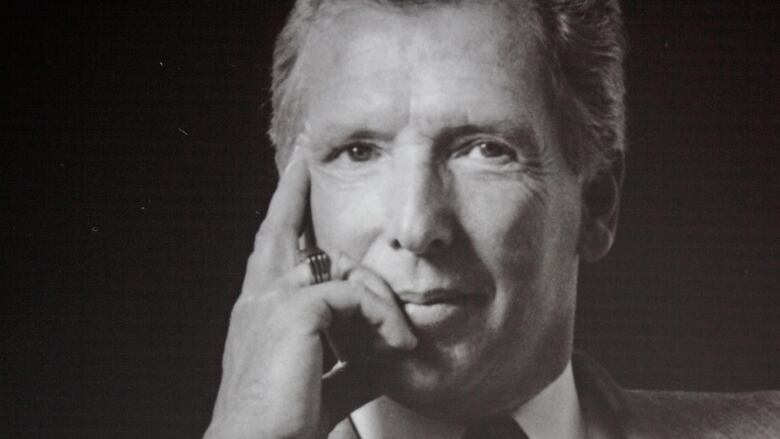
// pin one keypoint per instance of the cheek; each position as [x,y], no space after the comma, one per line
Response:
[345,216]
[503,222]
[524,237]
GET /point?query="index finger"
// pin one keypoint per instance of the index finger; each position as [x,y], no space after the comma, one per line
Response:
[287,209]
[276,243]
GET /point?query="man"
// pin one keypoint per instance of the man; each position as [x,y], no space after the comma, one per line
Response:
[453,161]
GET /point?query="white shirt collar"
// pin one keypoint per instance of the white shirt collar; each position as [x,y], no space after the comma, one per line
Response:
[552,413]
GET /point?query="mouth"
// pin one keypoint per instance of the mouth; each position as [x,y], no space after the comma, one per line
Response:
[437,296]
[436,308]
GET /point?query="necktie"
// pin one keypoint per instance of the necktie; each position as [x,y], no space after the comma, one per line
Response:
[496,427]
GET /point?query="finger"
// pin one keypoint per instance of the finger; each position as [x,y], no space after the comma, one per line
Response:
[373,282]
[287,208]
[344,267]
[302,274]
[344,299]
[276,247]
[360,273]
[342,339]
[298,277]
[366,296]
[351,336]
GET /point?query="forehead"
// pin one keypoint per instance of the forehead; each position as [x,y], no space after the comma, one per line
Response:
[367,56]
[346,30]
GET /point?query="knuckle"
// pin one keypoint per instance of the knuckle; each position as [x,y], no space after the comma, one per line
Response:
[251,304]
[363,291]
[255,264]
[264,252]
[272,227]
[265,241]
[270,260]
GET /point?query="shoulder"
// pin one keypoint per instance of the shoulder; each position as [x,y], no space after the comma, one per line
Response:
[661,414]
[710,415]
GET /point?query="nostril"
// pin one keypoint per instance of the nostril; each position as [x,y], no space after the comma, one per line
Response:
[420,246]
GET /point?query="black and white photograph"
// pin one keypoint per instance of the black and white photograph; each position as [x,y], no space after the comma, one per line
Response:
[389,219]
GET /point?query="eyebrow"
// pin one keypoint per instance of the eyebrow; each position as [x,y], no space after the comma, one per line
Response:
[523,135]
[342,134]
[370,134]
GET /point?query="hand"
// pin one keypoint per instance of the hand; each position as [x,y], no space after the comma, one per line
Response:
[272,384]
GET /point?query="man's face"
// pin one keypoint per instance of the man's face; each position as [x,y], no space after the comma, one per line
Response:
[434,161]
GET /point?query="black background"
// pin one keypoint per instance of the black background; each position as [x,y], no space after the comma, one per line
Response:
[135,170]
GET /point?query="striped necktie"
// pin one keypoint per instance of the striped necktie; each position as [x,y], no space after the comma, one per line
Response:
[496,427]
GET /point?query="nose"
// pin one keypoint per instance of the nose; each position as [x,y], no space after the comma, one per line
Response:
[421,215]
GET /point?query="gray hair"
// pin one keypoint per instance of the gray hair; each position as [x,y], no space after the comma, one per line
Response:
[584,45]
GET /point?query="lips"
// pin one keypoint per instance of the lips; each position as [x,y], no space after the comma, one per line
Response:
[436,296]
[438,309]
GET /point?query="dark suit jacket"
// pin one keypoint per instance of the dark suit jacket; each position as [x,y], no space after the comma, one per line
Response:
[638,414]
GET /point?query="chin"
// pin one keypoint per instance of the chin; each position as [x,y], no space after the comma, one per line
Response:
[429,392]
[468,380]
[430,385]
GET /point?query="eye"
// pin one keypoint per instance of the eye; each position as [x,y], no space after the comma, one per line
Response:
[360,151]
[490,150]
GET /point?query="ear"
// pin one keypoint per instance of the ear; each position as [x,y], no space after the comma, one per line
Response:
[601,202]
